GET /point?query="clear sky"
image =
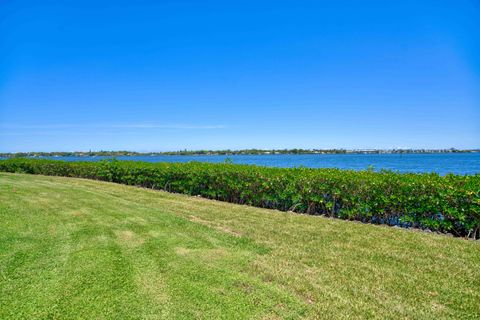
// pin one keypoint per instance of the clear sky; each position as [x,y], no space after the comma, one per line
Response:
[170,75]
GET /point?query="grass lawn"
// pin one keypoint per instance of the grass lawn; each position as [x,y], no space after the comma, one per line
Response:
[72,248]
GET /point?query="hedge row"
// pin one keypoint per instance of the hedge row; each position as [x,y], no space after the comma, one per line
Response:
[448,203]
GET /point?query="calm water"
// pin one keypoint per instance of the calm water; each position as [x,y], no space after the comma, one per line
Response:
[459,163]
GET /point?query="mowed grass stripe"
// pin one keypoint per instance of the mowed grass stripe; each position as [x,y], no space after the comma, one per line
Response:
[73,248]
[124,260]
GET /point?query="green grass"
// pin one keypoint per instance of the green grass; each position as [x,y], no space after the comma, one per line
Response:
[73,248]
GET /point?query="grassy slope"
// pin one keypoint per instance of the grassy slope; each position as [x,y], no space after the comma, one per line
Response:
[72,248]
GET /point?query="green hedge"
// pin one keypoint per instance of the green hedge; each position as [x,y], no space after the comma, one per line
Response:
[448,203]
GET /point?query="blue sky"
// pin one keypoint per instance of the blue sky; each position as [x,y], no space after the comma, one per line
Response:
[170,75]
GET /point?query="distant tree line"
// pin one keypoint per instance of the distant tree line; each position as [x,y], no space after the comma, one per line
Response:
[230,152]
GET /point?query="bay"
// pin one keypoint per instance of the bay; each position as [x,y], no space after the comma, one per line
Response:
[441,163]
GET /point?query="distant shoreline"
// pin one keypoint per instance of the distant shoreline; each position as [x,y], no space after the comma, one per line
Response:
[233,152]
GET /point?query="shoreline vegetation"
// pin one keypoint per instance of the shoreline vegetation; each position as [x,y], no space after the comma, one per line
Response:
[231,152]
[446,204]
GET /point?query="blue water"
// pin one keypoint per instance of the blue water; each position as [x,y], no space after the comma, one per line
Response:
[458,163]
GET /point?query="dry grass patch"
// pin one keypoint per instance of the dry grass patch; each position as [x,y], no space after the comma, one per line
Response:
[129,238]
[215,226]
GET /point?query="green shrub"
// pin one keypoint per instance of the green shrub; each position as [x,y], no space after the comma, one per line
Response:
[448,203]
